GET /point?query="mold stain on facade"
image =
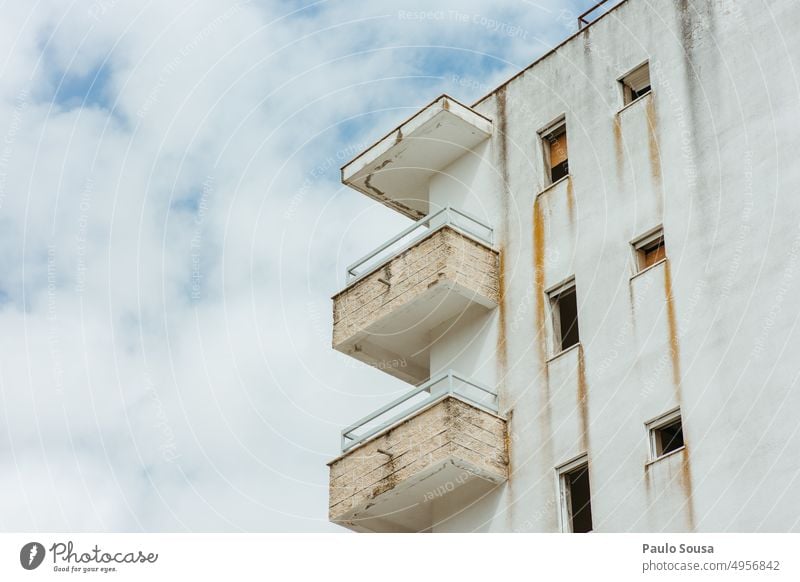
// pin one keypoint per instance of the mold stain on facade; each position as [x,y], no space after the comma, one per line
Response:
[502,163]
[500,143]
[583,403]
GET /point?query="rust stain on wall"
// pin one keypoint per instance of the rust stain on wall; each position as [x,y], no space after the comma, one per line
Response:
[618,151]
[548,454]
[502,348]
[652,139]
[502,161]
[686,482]
[672,326]
[546,414]
[571,201]
[654,151]
[538,278]
[675,355]
[632,307]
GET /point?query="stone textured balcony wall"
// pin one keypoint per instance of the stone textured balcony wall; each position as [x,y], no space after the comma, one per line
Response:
[445,258]
[450,435]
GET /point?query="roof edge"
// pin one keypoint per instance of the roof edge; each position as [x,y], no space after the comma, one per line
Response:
[547,54]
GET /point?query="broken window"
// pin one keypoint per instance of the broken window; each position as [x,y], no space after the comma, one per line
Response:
[564,307]
[650,249]
[666,434]
[576,499]
[636,83]
[554,140]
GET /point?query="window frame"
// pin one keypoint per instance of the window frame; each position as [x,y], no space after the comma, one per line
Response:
[642,244]
[562,473]
[546,135]
[552,294]
[660,422]
[627,88]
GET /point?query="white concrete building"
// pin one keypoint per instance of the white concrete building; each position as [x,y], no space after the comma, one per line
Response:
[597,312]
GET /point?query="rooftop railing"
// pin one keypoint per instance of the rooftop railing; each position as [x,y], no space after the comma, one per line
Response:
[583,19]
[448,383]
[461,221]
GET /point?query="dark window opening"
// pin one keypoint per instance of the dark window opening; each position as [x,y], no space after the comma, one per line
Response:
[565,318]
[579,499]
[636,84]
[635,94]
[668,438]
[557,152]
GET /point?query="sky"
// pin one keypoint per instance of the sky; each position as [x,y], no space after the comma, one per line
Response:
[172,227]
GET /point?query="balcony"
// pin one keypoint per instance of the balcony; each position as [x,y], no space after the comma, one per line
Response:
[435,270]
[396,171]
[402,466]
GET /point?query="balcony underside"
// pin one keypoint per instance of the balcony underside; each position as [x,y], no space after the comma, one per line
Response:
[449,453]
[385,319]
[396,170]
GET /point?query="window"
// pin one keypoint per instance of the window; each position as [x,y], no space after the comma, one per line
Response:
[666,434]
[576,499]
[649,249]
[564,308]
[554,140]
[636,83]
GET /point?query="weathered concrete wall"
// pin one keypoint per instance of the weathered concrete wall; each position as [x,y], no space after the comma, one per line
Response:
[468,185]
[445,257]
[449,429]
[711,155]
[467,345]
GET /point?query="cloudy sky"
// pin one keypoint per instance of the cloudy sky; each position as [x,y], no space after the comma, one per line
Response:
[171,231]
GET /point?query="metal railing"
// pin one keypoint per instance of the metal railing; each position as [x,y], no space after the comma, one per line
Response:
[583,18]
[447,216]
[448,383]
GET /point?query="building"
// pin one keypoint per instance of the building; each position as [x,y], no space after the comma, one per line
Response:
[596,308]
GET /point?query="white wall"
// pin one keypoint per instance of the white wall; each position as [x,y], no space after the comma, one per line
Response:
[712,155]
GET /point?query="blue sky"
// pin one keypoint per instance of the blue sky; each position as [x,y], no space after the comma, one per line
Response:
[173,229]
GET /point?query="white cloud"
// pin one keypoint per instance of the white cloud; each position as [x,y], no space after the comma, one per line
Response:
[169,248]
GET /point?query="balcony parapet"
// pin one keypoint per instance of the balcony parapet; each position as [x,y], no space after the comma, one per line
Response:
[433,271]
[447,384]
[444,439]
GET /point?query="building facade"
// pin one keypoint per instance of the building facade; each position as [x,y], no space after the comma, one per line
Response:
[596,304]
